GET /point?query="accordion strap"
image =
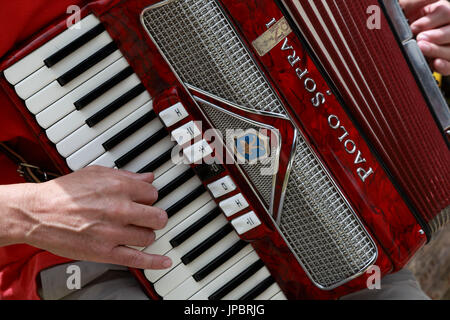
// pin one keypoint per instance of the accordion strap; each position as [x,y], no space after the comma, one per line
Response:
[30,173]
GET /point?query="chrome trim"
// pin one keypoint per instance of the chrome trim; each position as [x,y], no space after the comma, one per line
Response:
[287,176]
[398,19]
[236,106]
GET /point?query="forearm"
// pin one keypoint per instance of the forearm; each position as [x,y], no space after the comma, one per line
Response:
[14,220]
[95,214]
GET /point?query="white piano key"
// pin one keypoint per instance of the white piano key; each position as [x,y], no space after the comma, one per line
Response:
[197,264]
[94,149]
[162,245]
[163,169]
[226,276]
[178,193]
[279,296]
[35,60]
[190,287]
[42,77]
[183,214]
[77,119]
[176,253]
[50,110]
[83,135]
[269,292]
[248,284]
[151,154]
[170,175]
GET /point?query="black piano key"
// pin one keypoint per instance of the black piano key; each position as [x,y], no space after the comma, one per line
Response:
[174,184]
[260,288]
[218,261]
[73,46]
[128,131]
[136,151]
[99,91]
[115,105]
[158,162]
[185,201]
[87,64]
[195,227]
[206,244]
[208,171]
[236,281]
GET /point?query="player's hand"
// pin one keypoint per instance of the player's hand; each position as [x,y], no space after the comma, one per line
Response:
[430,22]
[93,215]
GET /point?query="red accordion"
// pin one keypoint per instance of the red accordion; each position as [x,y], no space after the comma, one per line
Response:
[296,144]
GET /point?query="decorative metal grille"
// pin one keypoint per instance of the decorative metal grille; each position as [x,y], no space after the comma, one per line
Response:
[205,51]
[325,233]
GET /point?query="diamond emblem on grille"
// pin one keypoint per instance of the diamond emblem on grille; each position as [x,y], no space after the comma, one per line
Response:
[252,146]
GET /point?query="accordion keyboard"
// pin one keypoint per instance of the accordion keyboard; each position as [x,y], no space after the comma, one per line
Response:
[96,111]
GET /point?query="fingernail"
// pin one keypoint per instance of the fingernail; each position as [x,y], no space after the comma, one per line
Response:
[424,46]
[167,263]
[149,176]
[163,215]
[151,240]
[441,64]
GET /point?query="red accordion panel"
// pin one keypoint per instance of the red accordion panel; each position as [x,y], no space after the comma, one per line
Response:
[385,102]
[368,68]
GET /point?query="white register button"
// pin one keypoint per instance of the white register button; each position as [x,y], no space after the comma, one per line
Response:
[186,133]
[246,222]
[174,114]
[233,205]
[222,187]
[197,151]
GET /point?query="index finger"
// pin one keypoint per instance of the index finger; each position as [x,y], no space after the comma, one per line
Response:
[146,177]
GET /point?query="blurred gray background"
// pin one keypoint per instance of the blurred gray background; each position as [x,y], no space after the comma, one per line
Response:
[431,266]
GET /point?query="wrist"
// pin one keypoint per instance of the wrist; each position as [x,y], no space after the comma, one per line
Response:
[16,207]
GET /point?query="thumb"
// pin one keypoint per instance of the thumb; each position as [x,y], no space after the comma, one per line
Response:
[136,259]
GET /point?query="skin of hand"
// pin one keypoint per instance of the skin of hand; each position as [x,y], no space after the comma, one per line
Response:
[92,215]
[430,23]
